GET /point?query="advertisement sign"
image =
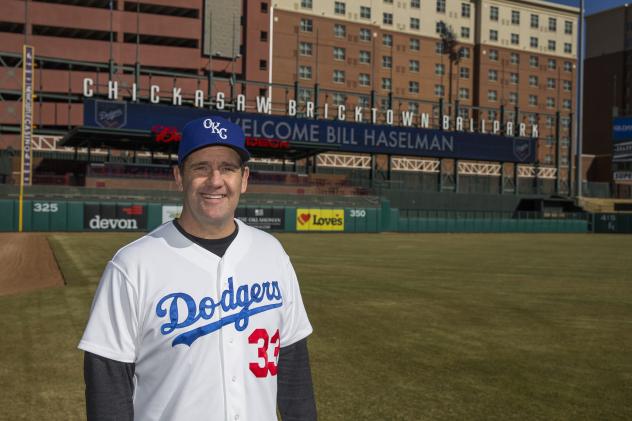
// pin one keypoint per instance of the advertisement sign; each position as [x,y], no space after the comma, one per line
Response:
[320,219]
[325,134]
[269,219]
[622,152]
[621,129]
[170,212]
[110,217]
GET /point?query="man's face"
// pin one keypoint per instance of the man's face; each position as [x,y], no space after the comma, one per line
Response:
[212,180]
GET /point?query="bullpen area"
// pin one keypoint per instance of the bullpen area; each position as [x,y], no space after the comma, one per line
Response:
[406,326]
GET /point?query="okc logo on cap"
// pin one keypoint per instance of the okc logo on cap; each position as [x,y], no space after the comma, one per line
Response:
[215,128]
[212,131]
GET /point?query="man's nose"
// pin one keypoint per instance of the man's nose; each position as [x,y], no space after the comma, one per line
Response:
[215,178]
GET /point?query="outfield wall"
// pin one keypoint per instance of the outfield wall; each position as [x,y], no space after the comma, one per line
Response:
[85,216]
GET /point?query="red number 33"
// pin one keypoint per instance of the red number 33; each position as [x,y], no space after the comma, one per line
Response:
[262,367]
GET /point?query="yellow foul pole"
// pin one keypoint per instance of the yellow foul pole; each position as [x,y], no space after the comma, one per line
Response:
[28,55]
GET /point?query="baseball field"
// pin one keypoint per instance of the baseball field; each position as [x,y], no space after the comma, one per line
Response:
[406,327]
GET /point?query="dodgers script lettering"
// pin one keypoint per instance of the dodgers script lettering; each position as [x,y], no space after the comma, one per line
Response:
[241,300]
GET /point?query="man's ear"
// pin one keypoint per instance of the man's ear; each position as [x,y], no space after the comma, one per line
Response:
[244,179]
[177,175]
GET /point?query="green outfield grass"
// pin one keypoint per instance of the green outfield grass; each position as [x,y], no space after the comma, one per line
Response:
[406,327]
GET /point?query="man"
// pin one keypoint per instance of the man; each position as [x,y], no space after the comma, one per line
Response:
[198,319]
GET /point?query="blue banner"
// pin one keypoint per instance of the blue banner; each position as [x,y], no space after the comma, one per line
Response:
[621,129]
[324,134]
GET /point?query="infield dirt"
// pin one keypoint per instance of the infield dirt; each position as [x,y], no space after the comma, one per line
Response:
[27,263]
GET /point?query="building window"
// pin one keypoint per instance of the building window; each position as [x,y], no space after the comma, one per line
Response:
[439,90]
[552,24]
[533,81]
[365,12]
[415,4]
[513,98]
[414,44]
[568,47]
[439,48]
[387,18]
[414,23]
[548,159]
[492,95]
[464,52]
[533,61]
[533,42]
[464,72]
[566,104]
[568,66]
[465,10]
[550,120]
[551,45]
[387,40]
[514,78]
[493,13]
[550,83]
[339,99]
[365,57]
[339,53]
[515,58]
[533,100]
[464,93]
[305,48]
[551,64]
[439,69]
[387,62]
[363,79]
[306,4]
[388,1]
[492,114]
[550,102]
[413,87]
[492,75]
[414,107]
[340,8]
[568,27]
[515,17]
[386,83]
[263,35]
[441,6]
[515,39]
[384,104]
[465,32]
[263,64]
[493,55]
[304,95]
[340,31]
[440,27]
[413,66]
[306,25]
[305,72]
[567,85]
[565,122]
[363,101]
[339,76]
[535,21]
[365,34]
[493,35]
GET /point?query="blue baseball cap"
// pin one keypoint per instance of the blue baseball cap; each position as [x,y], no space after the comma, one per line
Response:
[212,131]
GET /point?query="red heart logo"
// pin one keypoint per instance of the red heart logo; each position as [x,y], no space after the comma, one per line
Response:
[303,218]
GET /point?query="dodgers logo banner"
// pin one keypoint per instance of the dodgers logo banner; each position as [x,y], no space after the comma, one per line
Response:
[332,135]
[320,219]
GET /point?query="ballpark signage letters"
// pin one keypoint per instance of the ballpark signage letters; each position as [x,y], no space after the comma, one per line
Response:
[326,134]
[106,217]
[320,219]
[339,112]
[27,112]
[622,139]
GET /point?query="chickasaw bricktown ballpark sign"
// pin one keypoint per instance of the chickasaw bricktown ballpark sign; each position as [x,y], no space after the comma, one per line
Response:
[324,134]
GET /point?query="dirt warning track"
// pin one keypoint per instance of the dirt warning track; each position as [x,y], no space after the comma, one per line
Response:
[27,263]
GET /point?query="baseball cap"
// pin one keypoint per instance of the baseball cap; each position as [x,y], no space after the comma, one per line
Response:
[212,131]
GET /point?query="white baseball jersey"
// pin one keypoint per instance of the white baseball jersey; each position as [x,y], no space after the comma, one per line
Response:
[204,332]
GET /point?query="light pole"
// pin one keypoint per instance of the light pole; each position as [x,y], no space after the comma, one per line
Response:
[580,101]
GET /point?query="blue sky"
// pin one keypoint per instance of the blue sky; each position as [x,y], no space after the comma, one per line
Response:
[593,6]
